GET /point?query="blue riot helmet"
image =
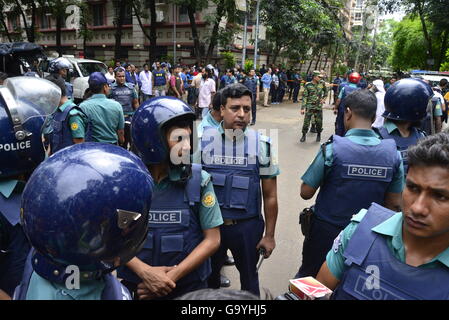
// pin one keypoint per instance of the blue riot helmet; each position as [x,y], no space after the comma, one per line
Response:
[407,100]
[87,205]
[59,64]
[24,104]
[148,123]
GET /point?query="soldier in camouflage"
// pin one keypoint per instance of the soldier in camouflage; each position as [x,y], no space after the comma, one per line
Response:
[312,104]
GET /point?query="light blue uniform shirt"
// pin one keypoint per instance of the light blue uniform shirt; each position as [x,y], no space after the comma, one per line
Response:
[342,91]
[392,228]
[320,167]
[42,289]
[208,121]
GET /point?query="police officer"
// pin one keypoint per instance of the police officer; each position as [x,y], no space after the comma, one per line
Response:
[125,94]
[58,129]
[252,83]
[24,104]
[344,169]
[213,119]
[413,244]
[406,104]
[238,174]
[104,116]
[184,215]
[59,68]
[339,109]
[81,233]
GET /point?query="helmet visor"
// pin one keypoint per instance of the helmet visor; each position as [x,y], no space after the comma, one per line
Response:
[28,97]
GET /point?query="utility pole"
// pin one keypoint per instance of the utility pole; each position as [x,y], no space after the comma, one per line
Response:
[174,35]
[245,34]
[257,34]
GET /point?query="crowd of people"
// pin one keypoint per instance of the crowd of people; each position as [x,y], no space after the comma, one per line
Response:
[114,183]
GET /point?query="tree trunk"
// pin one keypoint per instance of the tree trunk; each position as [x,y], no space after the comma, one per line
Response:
[334,59]
[196,40]
[153,29]
[121,5]
[319,59]
[58,34]
[5,27]
[25,23]
[214,35]
[276,54]
[33,22]
[443,49]
[426,32]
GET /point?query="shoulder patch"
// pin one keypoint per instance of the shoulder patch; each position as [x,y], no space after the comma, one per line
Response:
[337,242]
[208,199]
[74,126]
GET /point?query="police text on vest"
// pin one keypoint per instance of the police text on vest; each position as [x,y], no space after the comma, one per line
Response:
[164,217]
[15,146]
[367,171]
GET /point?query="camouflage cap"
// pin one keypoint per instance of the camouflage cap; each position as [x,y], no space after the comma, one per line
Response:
[317,73]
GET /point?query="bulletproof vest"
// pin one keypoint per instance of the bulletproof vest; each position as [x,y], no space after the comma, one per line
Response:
[235,176]
[68,90]
[10,208]
[374,273]
[359,175]
[123,94]
[61,136]
[159,78]
[14,243]
[348,90]
[251,84]
[403,143]
[174,229]
[113,289]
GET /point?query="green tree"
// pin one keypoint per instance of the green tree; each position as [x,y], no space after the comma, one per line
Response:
[409,49]
[432,15]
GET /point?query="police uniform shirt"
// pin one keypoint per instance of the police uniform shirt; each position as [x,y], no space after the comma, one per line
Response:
[209,210]
[105,115]
[391,228]
[393,129]
[208,121]
[268,160]
[315,174]
[42,289]
[342,91]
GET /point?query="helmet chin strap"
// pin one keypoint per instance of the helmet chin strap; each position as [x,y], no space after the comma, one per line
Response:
[11,108]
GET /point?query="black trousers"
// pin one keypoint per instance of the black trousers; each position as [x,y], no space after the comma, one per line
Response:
[316,247]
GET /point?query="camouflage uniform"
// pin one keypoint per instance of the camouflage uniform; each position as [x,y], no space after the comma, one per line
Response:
[311,102]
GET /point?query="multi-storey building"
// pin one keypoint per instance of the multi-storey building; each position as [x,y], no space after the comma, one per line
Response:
[174,34]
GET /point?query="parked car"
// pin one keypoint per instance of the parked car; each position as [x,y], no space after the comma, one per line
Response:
[79,75]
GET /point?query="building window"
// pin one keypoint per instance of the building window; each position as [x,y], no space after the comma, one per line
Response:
[358,16]
[44,20]
[159,35]
[128,15]
[98,14]
[14,22]
[169,35]
[183,14]
[188,35]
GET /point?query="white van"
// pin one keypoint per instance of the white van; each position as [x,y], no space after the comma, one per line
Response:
[79,76]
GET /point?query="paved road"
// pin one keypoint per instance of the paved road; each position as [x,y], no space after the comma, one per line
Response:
[294,158]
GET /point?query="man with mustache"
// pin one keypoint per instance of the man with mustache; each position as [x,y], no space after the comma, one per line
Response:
[387,255]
